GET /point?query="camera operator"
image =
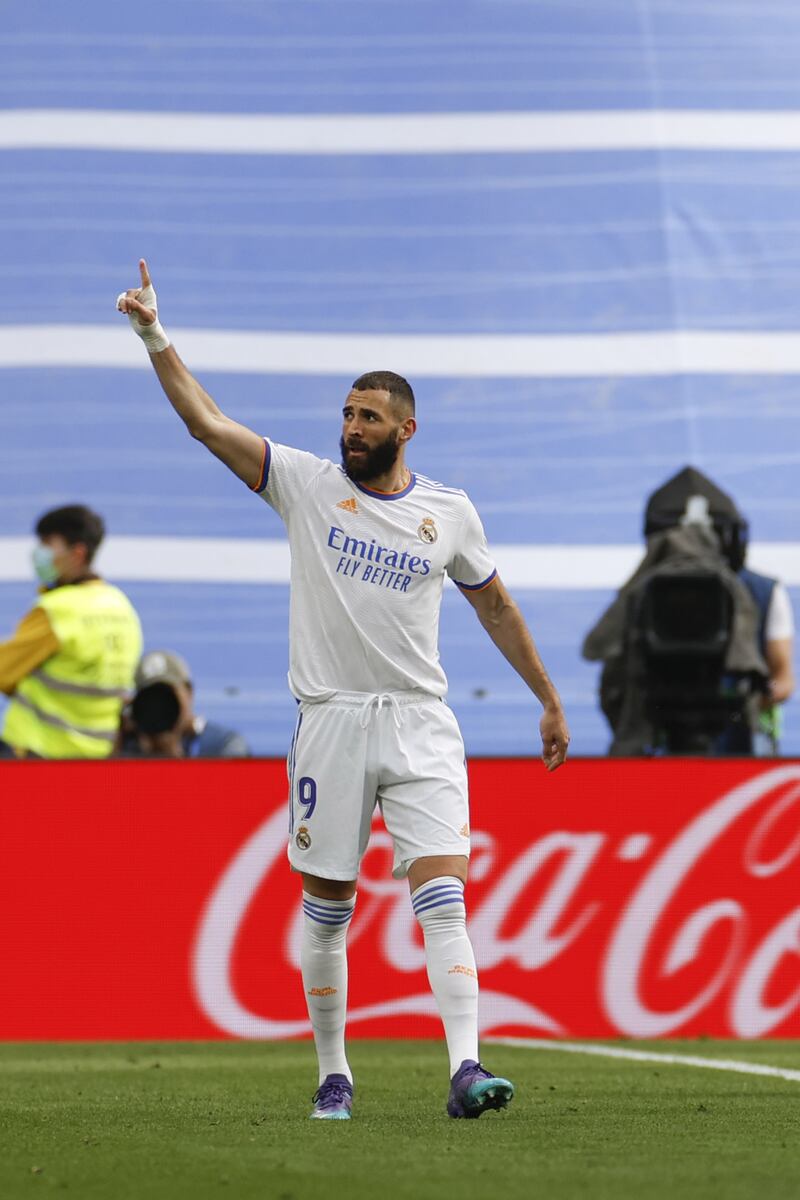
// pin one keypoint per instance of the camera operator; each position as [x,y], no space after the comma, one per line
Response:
[697,649]
[665,510]
[160,721]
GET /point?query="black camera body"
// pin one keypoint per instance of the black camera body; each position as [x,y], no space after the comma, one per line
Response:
[682,625]
[155,708]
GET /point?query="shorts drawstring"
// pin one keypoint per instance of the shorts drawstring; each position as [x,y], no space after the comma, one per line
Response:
[369,707]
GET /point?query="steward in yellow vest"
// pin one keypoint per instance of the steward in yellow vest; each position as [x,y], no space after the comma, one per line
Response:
[70,664]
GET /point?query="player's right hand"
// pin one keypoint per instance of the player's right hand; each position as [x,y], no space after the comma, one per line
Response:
[555,737]
[140,304]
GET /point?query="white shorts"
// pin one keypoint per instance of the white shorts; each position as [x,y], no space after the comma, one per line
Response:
[402,751]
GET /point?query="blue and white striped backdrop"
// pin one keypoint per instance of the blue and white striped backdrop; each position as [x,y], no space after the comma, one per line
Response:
[573,224]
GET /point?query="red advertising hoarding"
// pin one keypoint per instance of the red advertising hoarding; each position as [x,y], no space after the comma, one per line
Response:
[639,899]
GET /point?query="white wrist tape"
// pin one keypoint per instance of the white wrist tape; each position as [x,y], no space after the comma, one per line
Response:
[152,335]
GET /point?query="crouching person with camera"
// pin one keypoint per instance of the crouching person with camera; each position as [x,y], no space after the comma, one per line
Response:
[160,721]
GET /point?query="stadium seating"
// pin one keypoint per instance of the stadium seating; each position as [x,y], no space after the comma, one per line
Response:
[547,243]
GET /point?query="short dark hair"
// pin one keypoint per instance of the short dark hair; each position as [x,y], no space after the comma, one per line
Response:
[399,389]
[76,524]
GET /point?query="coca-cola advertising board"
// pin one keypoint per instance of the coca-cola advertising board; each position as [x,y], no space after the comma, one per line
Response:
[639,899]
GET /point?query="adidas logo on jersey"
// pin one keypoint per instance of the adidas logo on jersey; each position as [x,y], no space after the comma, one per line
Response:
[348,505]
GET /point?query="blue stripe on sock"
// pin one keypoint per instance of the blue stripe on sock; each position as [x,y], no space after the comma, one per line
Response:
[435,885]
[326,921]
[453,896]
[440,903]
[421,895]
[329,916]
[329,913]
[449,891]
[323,918]
[326,911]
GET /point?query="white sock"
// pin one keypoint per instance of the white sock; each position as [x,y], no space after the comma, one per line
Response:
[323,962]
[439,908]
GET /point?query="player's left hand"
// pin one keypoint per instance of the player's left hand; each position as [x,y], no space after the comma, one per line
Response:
[555,738]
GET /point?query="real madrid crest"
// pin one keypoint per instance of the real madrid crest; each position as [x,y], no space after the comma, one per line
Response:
[428,531]
[303,838]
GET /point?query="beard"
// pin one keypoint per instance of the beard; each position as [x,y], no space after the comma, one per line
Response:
[374,462]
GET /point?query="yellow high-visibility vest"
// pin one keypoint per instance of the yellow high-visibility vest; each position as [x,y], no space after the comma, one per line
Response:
[70,706]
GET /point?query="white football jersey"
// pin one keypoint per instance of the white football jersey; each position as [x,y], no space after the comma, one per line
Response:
[367,574]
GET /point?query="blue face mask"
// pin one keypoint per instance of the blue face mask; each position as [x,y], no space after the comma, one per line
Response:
[44,566]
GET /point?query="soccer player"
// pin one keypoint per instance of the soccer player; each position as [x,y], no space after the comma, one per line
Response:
[371,543]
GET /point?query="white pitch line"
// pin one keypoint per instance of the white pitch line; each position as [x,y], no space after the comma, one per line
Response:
[678,1060]
[405,133]
[469,355]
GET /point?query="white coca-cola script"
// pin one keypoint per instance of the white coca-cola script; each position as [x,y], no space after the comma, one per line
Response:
[764,813]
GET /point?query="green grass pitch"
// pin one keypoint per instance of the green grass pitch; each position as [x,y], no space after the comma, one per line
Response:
[170,1121]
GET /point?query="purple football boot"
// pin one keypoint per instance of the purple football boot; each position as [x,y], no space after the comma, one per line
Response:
[474,1090]
[333,1100]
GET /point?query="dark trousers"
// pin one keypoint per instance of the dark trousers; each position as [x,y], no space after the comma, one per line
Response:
[7,751]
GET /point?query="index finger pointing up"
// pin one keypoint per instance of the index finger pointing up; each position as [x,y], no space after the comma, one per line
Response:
[145,273]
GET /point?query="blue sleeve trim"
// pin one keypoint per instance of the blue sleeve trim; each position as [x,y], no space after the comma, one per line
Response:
[263,478]
[476,587]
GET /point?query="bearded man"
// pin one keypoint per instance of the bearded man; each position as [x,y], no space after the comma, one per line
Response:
[372,543]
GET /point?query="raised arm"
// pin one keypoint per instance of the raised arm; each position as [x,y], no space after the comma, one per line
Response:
[500,616]
[237,446]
